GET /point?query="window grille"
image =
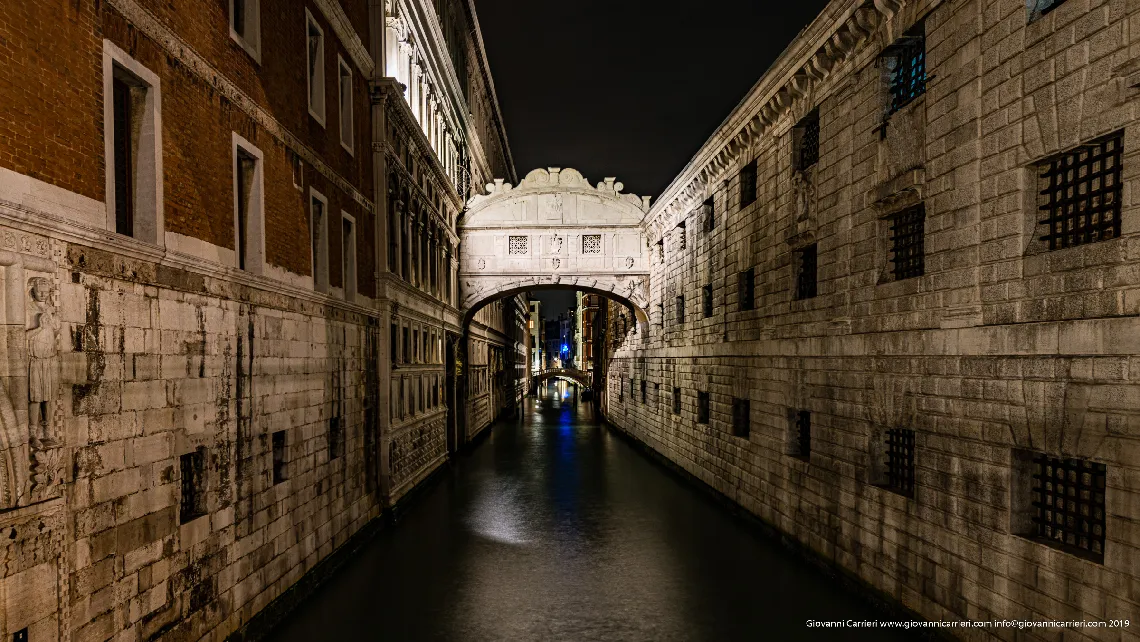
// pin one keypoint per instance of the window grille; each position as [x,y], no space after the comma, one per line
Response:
[806,275]
[803,433]
[517,245]
[707,300]
[1069,504]
[621,389]
[741,417]
[747,289]
[591,244]
[748,184]
[809,141]
[661,314]
[631,393]
[908,71]
[279,457]
[702,407]
[1082,193]
[681,242]
[908,243]
[661,250]
[900,461]
[680,309]
[676,401]
[192,504]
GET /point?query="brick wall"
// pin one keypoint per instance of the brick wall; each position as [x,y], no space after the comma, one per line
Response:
[1001,347]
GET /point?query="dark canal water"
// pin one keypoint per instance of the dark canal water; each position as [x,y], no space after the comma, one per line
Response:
[556,529]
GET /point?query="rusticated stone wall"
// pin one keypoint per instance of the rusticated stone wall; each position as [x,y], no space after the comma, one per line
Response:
[1002,348]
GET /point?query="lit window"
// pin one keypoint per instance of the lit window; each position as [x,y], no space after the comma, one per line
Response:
[906,61]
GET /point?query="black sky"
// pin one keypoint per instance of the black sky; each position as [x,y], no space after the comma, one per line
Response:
[627,88]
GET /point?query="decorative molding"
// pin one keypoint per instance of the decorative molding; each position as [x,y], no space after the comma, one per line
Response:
[180,50]
[774,98]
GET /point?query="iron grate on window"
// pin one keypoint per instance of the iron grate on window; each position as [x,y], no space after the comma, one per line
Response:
[192,503]
[908,231]
[517,245]
[900,461]
[806,275]
[1082,193]
[1068,502]
[908,74]
[809,141]
[591,244]
[803,433]
[680,309]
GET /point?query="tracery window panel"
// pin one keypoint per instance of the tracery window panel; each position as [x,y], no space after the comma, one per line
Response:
[1081,193]
[591,244]
[517,245]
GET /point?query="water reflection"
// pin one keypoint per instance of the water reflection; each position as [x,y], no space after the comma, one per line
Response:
[555,529]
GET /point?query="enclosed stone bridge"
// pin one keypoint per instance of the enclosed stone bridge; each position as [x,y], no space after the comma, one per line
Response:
[554,230]
[580,377]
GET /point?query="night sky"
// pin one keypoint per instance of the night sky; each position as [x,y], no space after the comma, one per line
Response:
[627,88]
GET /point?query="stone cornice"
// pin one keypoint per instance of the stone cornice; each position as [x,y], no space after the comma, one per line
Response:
[347,35]
[178,49]
[835,36]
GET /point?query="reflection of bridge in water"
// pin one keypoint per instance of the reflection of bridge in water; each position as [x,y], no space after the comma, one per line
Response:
[574,375]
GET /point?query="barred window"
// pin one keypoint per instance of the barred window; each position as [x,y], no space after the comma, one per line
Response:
[661,314]
[807,131]
[644,388]
[631,393]
[279,464]
[899,461]
[806,276]
[803,434]
[518,245]
[621,388]
[591,244]
[21,635]
[702,407]
[741,417]
[1069,504]
[906,60]
[710,214]
[676,401]
[746,283]
[681,242]
[1082,193]
[192,504]
[680,309]
[908,229]
[707,300]
[748,184]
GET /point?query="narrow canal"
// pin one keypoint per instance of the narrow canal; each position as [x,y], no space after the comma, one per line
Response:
[556,529]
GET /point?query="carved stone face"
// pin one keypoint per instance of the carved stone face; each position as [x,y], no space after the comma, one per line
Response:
[41,289]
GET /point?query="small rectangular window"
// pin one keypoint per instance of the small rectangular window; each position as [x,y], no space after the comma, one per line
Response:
[336,437]
[746,283]
[805,266]
[279,463]
[908,241]
[245,26]
[348,256]
[315,59]
[621,388]
[344,73]
[644,388]
[517,245]
[899,467]
[676,401]
[124,165]
[807,148]
[803,434]
[591,244]
[192,504]
[906,62]
[406,353]
[395,341]
[748,184]
[298,167]
[1081,193]
[710,214]
[415,346]
[707,300]
[631,393]
[680,309]
[246,166]
[1063,501]
[20,636]
[702,407]
[661,314]
[741,417]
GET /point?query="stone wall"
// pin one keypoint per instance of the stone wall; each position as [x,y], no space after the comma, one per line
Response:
[1000,349]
